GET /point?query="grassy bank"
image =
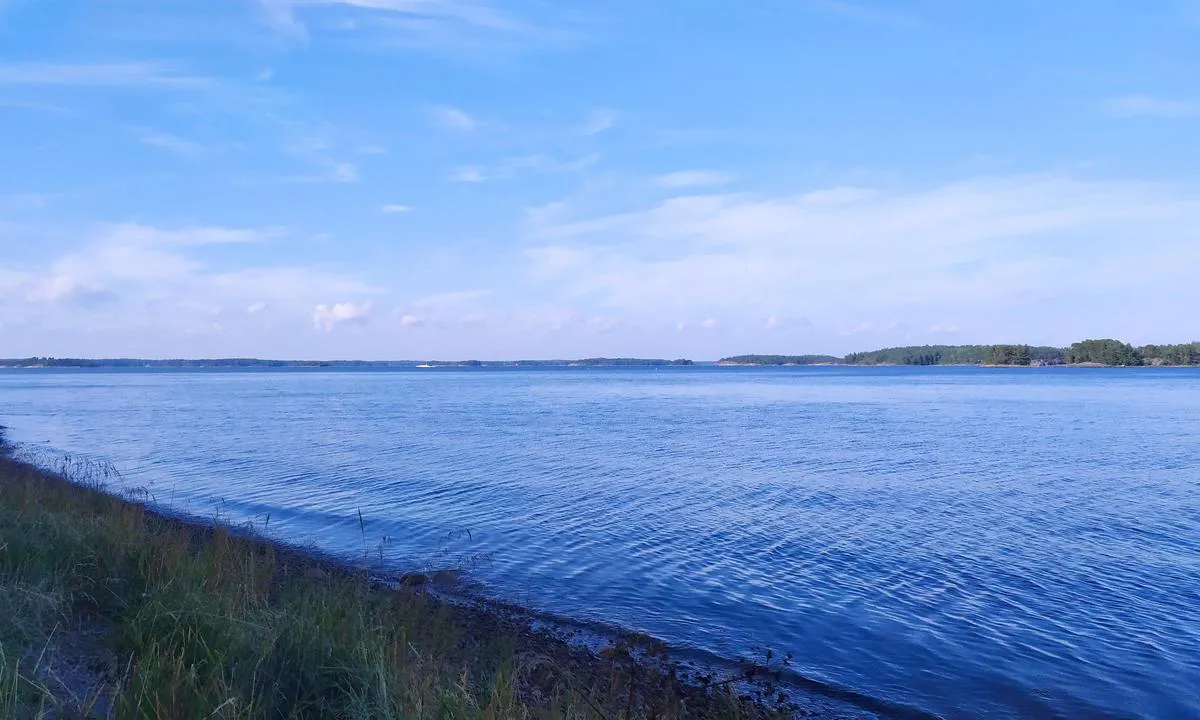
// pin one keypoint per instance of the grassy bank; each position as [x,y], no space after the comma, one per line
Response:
[108,609]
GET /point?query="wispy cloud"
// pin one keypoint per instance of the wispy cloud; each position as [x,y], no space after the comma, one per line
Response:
[333,172]
[786,322]
[280,15]
[965,245]
[705,324]
[452,118]
[597,121]
[25,201]
[863,12]
[283,12]
[169,142]
[319,145]
[1151,106]
[132,233]
[468,174]
[409,23]
[1189,11]
[343,172]
[538,164]
[456,299]
[693,178]
[35,107]
[125,74]
[395,209]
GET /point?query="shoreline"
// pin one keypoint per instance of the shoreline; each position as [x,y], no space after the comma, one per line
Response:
[549,367]
[962,365]
[650,675]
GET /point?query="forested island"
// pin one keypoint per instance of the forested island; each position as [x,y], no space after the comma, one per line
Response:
[781,360]
[48,362]
[1106,352]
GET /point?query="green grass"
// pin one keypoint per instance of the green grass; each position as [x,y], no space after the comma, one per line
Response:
[187,621]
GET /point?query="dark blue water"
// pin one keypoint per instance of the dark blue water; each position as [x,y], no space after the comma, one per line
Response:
[960,541]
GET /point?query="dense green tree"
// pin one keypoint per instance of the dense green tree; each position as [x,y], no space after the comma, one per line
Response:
[1182,354]
[780,359]
[253,363]
[1105,352]
[1043,355]
[922,355]
[1008,355]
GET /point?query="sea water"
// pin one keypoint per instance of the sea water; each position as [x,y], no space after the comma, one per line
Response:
[961,542]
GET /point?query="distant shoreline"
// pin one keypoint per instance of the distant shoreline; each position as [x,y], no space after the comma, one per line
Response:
[1104,352]
[560,366]
[1085,353]
[42,363]
[1067,366]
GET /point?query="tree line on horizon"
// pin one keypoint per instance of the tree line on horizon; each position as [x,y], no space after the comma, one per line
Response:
[1085,352]
[1105,351]
[50,362]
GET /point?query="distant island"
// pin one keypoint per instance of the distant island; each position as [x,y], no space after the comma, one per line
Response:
[48,362]
[1101,353]
[1104,352]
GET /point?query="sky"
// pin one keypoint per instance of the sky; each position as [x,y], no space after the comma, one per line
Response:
[498,179]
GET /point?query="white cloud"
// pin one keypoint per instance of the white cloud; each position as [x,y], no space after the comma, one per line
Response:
[603,325]
[395,209]
[786,322]
[280,16]
[132,233]
[538,164]
[692,178]
[328,317]
[858,328]
[139,281]
[452,118]
[169,142]
[456,299]
[126,74]
[597,121]
[851,253]
[1151,106]
[705,324]
[60,287]
[25,201]
[410,23]
[410,320]
[861,12]
[568,321]
[475,319]
[335,172]
[343,172]
[468,174]
[543,164]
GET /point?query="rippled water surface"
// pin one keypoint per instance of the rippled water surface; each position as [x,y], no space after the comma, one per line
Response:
[957,541]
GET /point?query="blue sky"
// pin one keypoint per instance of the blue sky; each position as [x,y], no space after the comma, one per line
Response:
[526,178]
